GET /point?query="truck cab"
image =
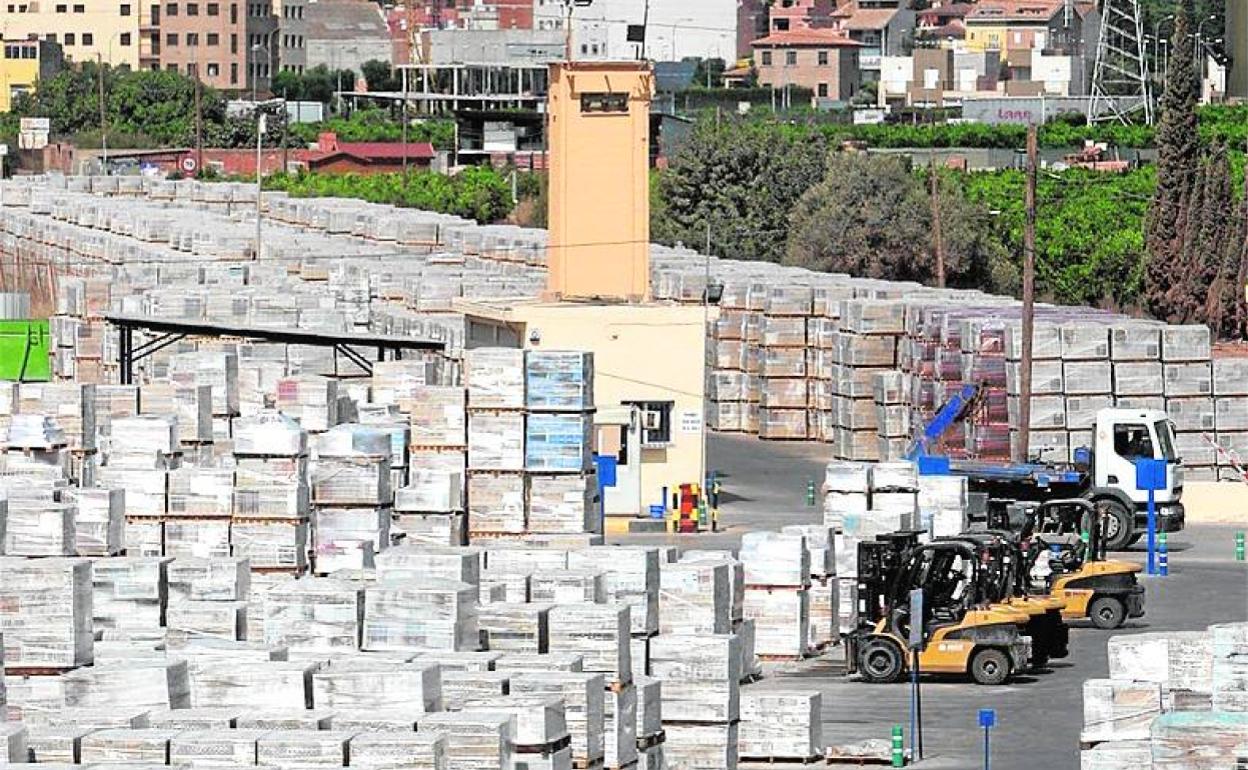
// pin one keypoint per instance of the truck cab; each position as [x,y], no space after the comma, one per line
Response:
[1122,437]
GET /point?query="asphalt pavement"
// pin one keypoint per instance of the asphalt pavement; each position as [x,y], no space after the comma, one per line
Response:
[1038,716]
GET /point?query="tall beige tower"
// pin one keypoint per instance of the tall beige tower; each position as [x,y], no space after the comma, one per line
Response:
[599,217]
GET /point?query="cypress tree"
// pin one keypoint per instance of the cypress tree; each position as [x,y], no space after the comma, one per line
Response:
[1178,152]
[1217,210]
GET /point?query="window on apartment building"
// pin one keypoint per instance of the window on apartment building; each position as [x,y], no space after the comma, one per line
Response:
[233,73]
[192,70]
[171,67]
[233,43]
[823,90]
[192,9]
[171,39]
[823,58]
[70,38]
[192,38]
[233,13]
[171,9]
[80,8]
[213,9]
[124,9]
[790,58]
[50,37]
[766,58]
[782,25]
[214,39]
[124,38]
[88,38]
[155,14]
[60,8]
[214,70]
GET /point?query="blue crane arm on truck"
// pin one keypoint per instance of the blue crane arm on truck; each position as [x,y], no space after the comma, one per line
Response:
[1103,473]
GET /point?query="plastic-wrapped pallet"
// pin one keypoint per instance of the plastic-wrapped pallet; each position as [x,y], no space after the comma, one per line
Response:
[399,751]
[474,740]
[199,619]
[1118,709]
[563,503]
[1117,755]
[35,700]
[1046,378]
[336,528]
[373,721]
[620,726]
[310,399]
[302,748]
[632,578]
[649,710]
[98,521]
[781,620]
[271,488]
[352,481]
[495,378]
[701,746]
[775,559]
[130,592]
[14,737]
[462,687]
[559,380]
[215,747]
[201,492]
[53,743]
[781,725]
[515,587]
[120,745]
[46,610]
[320,614]
[1084,378]
[430,491]
[219,579]
[695,598]
[1186,343]
[1230,666]
[496,441]
[824,595]
[405,615]
[146,685]
[192,406]
[252,684]
[415,562]
[216,368]
[271,718]
[700,676]
[539,723]
[438,416]
[271,543]
[518,627]
[1177,660]
[363,684]
[1194,740]
[584,704]
[146,489]
[269,434]
[39,528]
[1138,378]
[195,718]
[599,633]
[569,586]
[496,503]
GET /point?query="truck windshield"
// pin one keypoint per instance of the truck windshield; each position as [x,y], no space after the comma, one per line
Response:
[1165,440]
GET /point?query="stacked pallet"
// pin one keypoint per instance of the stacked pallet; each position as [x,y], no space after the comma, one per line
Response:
[783,726]
[431,508]
[784,397]
[45,605]
[272,501]
[559,397]
[1172,700]
[700,676]
[351,497]
[866,346]
[83,344]
[497,485]
[729,386]
[824,588]
[777,593]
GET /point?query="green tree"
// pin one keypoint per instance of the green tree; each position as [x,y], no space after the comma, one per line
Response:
[742,178]
[871,216]
[379,76]
[1167,293]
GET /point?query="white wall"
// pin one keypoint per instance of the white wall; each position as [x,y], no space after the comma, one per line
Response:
[1054,71]
[699,28]
[896,73]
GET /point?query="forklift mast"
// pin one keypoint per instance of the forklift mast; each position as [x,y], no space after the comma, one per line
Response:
[879,565]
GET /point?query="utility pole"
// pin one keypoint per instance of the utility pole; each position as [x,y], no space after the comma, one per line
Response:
[199,126]
[937,242]
[260,129]
[1241,278]
[1029,300]
[99,61]
[404,71]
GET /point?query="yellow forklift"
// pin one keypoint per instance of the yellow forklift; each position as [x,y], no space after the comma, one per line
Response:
[1005,583]
[1063,545]
[963,633]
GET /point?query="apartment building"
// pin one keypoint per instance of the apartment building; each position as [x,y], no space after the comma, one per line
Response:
[825,61]
[24,64]
[86,30]
[292,31]
[343,34]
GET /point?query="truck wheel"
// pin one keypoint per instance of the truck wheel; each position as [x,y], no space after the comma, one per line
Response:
[1119,524]
[880,661]
[1107,613]
[990,666]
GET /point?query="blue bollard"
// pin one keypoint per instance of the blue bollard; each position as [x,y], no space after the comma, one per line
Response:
[1163,555]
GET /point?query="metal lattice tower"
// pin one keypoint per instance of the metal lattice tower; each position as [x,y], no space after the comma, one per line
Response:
[1120,84]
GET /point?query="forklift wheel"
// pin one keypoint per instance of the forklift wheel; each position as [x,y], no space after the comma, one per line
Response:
[990,666]
[880,661]
[1107,613]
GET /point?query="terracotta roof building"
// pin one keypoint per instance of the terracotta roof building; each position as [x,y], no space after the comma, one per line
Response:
[825,61]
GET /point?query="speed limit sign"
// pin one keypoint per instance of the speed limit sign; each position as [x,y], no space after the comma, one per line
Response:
[188,164]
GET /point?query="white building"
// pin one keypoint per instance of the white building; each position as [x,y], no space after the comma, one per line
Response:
[674,31]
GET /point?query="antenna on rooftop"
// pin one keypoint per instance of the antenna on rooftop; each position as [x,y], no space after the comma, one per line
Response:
[1120,76]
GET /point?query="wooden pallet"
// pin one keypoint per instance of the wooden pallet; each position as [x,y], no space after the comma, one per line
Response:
[38,670]
[785,761]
